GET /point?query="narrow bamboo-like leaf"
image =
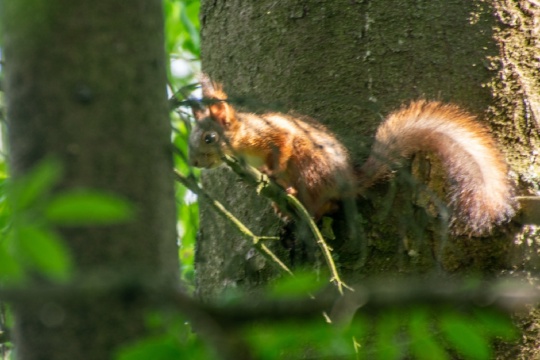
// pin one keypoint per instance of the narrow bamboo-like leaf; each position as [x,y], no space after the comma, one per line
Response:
[83,207]
[43,250]
[462,334]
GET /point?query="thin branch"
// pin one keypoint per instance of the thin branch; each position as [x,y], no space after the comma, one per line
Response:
[264,185]
[192,185]
[320,241]
[289,204]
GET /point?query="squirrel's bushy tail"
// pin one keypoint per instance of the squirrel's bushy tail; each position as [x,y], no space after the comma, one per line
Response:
[480,193]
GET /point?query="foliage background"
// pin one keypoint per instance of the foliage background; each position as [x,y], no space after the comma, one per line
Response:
[183,49]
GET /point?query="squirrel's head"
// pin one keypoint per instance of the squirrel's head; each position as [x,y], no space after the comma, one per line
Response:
[215,120]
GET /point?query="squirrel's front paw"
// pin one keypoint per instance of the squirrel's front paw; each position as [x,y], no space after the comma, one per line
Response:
[291,191]
[281,214]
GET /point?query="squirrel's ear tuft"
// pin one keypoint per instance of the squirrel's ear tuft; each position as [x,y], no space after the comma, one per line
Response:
[218,108]
[211,89]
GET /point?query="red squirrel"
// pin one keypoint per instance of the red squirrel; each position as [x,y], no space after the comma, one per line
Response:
[309,162]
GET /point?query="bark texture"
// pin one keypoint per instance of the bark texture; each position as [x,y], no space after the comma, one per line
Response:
[85,83]
[348,64]
[515,117]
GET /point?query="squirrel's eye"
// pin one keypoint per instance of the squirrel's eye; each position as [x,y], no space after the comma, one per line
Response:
[210,138]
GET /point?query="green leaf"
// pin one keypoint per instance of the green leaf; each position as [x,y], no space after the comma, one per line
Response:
[173,27]
[3,164]
[5,215]
[423,344]
[156,348]
[10,269]
[497,324]
[190,23]
[296,339]
[43,250]
[25,191]
[386,346]
[462,334]
[188,219]
[175,344]
[84,207]
[181,144]
[300,285]
[182,26]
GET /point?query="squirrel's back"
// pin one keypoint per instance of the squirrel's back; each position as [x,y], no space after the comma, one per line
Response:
[480,193]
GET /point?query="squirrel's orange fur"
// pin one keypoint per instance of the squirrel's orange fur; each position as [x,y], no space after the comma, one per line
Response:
[309,162]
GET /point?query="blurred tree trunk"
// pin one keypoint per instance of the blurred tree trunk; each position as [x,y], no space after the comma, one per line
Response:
[347,64]
[85,83]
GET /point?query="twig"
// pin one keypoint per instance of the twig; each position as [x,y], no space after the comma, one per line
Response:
[320,241]
[192,185]
[289,204]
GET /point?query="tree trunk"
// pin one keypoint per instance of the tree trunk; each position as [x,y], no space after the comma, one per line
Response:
[347,64]
[85,83]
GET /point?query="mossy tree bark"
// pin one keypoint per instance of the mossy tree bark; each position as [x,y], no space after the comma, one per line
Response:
[347,64]
[85,83]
